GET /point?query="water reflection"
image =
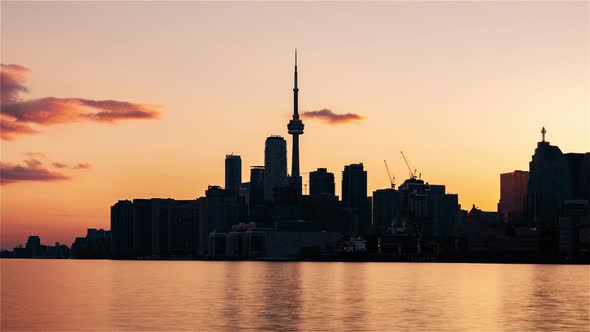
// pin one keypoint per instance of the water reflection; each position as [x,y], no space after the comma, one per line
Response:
[54,295]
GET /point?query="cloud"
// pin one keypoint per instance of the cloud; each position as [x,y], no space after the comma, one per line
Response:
[50,110]
[18,115]
[13,80]
[82,166]
[31,171]
[330,117]
[35,155]
[10,128]
[78,166]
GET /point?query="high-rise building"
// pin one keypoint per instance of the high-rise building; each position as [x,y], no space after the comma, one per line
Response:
[218,212]
[33,246]
[275,165]
[513,192]
[321,182]
[386,209]
[550,184]
[354,185]
[233,173]
[354,195]
[295,128]
[579,165]
[256,187]
[122,228]
[142,227]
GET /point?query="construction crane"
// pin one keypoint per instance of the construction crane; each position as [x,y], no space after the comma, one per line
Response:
[412,173]
[391,179]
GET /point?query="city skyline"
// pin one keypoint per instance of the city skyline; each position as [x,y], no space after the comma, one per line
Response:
[473,174]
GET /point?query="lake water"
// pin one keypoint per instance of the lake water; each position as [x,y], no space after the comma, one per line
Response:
[103,295]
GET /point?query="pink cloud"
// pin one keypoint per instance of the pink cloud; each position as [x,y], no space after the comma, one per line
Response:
[13,80]
[31,171]
[330,117]
[9,128]
[18,115]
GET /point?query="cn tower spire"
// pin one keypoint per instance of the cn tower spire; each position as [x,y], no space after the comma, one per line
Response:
[295,92]
[295,128]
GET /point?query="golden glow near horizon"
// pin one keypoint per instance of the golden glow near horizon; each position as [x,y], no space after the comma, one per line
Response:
[462,88]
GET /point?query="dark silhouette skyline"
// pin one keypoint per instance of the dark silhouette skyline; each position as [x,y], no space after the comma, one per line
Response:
[544,215]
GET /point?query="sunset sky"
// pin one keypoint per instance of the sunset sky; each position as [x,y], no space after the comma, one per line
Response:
[119,100]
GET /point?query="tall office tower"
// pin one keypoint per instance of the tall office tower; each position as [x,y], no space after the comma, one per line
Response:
[386,209]
[513,191]
[275,165]
[295,128]
[233,173]
[354,194]
[321,182]
[122,229]
[142,227]
[33,246]
[549,185]
[579,165]
[256,187]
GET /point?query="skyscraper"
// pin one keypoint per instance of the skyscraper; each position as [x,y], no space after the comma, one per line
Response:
[549,185]
[386,209]
[354,185]
[295,128]
[354,194]
[321,182]
[233,173]
[256,187]
[122,228]
[513,191]
[275,165]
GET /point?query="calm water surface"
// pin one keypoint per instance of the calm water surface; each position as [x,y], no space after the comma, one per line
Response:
[105,295]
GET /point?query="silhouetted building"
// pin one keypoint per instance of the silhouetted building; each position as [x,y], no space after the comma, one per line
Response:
[218,212]
[34,246]
[386,209]
[326,212]
[122,229]
[96,244]
[256,190]
[183,227]
[579,166]
[295,128]
[574,230]
[354,196]
[275,165]
[513,193]
[427,210]
[160,217]
[321,182]
[142,227]
[550,184]
[233,173]
[476,215]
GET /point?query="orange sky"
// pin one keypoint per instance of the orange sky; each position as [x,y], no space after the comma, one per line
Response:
[463,88]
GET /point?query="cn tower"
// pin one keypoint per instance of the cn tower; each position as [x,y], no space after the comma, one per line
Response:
[295,127]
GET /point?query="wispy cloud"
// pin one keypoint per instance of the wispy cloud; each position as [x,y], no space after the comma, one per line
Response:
[18,116]
[34,170]
[11,173]
[9,128]
[35,154]
[330,117]
[77,166]
[13,80]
